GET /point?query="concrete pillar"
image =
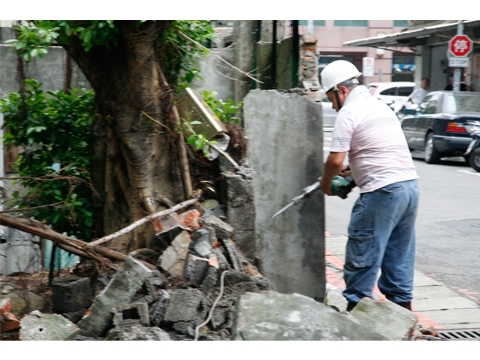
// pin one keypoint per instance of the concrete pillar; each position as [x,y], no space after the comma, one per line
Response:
[308,72]
[245,42]
[286,151]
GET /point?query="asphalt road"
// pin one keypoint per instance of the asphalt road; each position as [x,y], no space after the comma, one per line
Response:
[447,226]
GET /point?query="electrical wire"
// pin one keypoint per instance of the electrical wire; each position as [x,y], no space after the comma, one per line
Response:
[197,329]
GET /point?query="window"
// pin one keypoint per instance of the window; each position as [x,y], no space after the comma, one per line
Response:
[455,103]
[432,104]
[390,91]
[315,22]
[405,90]
[400,23]
[423,105]
[358,23]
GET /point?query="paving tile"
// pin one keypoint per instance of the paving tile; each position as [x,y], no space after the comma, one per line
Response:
[455,317]
[430,292]
[420,279]
[443,303]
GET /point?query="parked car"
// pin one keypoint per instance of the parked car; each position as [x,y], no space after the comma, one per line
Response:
[329,113]
[437,127]
[395,94]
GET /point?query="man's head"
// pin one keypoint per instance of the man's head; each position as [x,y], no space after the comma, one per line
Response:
[425,83]
[338,79]
[344,89]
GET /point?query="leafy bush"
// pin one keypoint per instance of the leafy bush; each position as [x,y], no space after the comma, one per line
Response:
[225,111]
[53,131]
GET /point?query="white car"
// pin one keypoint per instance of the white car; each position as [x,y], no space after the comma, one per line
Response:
[395,94]
[329,114]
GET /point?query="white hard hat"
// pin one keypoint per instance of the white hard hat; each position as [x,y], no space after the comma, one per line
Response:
[337,72]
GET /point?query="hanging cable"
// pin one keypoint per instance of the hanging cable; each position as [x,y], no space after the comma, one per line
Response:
[197,329]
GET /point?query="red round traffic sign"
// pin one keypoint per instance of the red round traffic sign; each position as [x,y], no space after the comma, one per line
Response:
[460,45]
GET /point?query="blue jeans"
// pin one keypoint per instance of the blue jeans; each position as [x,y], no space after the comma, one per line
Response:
[381,235]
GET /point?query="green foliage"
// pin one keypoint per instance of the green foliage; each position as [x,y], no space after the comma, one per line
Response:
[53,130]
[199,140]
[225,111]
[178,53]
[36,40]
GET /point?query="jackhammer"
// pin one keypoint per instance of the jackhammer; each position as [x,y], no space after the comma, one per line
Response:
[341,186]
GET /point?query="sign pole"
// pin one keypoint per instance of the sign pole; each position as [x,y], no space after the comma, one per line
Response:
[457,73]
[368,68]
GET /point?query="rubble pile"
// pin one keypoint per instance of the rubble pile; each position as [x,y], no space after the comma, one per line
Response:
[200,274]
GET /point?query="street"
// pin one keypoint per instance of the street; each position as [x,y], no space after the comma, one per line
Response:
[448,222]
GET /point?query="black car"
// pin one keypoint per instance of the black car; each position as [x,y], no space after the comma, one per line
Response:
[437,126]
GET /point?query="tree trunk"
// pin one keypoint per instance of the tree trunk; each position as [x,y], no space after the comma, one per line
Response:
[137,164]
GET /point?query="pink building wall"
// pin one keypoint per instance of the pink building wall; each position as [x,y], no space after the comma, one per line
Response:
[330,40]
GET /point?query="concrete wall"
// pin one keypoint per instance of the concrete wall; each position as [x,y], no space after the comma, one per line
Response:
[50,70]
[216,74]
[286,151]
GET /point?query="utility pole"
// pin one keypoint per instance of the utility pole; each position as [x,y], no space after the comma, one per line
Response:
[457,73]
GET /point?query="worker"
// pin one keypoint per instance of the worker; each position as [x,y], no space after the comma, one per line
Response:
[381,233]
[418,95]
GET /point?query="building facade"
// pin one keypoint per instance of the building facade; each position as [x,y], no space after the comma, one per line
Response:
[429,39]
[398,65]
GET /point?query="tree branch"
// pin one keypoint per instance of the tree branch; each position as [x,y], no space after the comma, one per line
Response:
[225,61]
[30,208]
[74,246]
[137,223]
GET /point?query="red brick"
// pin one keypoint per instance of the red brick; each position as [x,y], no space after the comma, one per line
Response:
[189,219]
[309,39]
[5,306]
[9,325]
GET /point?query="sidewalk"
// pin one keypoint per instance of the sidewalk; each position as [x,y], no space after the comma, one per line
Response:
[434,303]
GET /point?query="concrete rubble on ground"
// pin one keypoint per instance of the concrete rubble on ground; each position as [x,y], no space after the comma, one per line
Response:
[204,288]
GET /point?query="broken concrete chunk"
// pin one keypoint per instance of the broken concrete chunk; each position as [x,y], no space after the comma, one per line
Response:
[222,317]
[195,269]
[273,316]
[200,244]
[222,229]
[235,259]
[189,219]
[158,280]
[386,317]
[9,324]
[186,310]
[131,314]
[220,211]
[121,289]
[157,310]
[263,283]
[138,333]
[173,258]
[70,294]
[22,301]
[186,221]
[52,327]
[222,260]
[169,228]
[212,235]
[211,278]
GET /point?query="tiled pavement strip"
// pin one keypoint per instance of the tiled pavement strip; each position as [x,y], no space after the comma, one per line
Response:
[434,303]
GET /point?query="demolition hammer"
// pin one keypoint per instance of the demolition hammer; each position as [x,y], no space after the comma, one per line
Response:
[340,187]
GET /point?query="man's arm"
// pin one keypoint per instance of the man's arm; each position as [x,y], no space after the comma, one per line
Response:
[332,167]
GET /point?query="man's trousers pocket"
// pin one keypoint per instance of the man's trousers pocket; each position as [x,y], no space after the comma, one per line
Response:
[361,249]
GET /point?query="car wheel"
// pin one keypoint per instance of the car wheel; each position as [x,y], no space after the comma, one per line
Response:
[432,156]
[475,159]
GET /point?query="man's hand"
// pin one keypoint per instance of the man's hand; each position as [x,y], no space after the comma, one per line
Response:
[332,167]
[326,186]
[346,171]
